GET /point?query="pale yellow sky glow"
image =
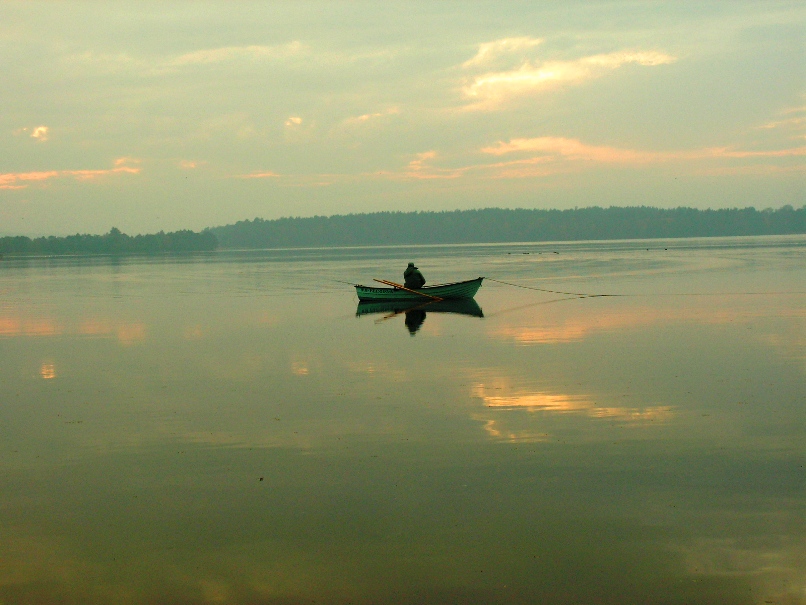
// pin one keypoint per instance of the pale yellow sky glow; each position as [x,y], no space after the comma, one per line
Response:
[361,107]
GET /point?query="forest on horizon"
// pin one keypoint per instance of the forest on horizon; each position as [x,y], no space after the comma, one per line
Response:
[489,225]
[493,225]
[113,243]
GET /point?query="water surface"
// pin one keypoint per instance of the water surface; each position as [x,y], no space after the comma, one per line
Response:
[225,428]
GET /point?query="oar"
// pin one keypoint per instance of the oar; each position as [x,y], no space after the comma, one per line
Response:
[391,283]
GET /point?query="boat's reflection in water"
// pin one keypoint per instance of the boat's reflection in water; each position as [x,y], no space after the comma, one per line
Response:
[416,313]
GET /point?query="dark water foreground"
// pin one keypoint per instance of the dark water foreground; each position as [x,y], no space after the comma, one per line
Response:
[226,429]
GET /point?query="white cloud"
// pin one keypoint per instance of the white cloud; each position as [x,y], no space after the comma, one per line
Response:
[575,149]
[783,123]
[232,53]
[293,122]
[492,89]
[40,133]
[796,121]
[113,63]
[367,117]
[490,51]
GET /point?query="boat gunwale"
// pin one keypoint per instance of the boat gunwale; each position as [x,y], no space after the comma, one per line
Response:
[455,283]
[453,290]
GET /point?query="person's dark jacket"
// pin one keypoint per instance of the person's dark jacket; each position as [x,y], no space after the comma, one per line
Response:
[413,278]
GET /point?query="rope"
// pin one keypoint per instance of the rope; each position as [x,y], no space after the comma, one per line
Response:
[579,294]
[584,295]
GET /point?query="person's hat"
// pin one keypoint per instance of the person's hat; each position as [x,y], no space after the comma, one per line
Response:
[411,264]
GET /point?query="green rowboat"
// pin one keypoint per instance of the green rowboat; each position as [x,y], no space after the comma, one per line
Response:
[461,289]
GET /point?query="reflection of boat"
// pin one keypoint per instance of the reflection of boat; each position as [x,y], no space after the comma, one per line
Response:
[462,306]
[416,311]
[457,290]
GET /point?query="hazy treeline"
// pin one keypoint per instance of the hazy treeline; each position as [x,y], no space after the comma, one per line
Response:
[459,226]
[500,225]
[113,242]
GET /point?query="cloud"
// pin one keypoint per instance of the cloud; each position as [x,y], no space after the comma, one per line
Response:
[492,89]
[795,120]
[490,51]
[21,180]
[258,175]
[234,53]
[726,152]
[572,149]
[367,117]
[293,122]
[420,169]
[113,63]
[40,133]
[565,149]
[753,170]
[548,156]
[788,122]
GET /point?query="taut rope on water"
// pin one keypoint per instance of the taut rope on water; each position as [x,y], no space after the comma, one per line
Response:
[579,294]
[586,295]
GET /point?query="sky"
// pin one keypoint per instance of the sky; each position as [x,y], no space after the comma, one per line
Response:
[153,116]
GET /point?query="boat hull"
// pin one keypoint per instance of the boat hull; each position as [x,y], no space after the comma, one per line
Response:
[457,290]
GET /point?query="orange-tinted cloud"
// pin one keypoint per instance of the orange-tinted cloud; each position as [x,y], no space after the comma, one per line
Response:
[421,168]
[558,150]
[577,150]
[546,156]
[20,180]
[268,174]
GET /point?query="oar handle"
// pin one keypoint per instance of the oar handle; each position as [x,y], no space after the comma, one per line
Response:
[391,283]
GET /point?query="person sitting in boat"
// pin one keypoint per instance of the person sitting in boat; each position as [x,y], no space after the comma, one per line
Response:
[413,278]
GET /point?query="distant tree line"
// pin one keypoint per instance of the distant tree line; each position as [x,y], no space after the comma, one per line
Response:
[460,226]
[500,225]
[114,243]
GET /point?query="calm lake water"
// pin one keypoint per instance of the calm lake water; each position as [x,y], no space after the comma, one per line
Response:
[227,429]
